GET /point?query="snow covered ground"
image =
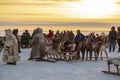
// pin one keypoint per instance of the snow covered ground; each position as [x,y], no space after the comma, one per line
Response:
[61,70]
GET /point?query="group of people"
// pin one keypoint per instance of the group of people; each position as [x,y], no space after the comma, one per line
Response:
[38,42]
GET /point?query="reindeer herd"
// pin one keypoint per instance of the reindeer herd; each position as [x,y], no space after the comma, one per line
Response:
[83,50]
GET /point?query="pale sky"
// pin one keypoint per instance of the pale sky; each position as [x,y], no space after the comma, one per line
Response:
[60,10]
[86,15]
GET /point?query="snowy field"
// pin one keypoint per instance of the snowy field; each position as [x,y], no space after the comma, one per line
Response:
[61,70]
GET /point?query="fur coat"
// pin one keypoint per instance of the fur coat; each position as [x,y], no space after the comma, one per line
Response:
[10,53]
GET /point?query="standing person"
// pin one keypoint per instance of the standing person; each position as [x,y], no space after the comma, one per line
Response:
[10,54]
[38,46]
[15,32]
[118,38]
[25,39]
[112,39]
[50,34]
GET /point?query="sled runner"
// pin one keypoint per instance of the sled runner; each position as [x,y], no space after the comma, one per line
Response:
[113,73]
[48,60]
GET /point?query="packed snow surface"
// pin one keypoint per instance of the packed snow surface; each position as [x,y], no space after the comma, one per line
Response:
[61,70]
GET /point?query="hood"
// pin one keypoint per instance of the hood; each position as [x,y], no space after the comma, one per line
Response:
[8,32]
[39,31]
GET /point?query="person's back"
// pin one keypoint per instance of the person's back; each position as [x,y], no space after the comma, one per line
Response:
[38,46]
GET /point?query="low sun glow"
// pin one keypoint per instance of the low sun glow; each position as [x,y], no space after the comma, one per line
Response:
[59,10]
[93,8]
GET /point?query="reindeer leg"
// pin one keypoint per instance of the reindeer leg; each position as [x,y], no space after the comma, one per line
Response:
[86,55]
[101,56]
[96,55]
[106,54]
[90,55]
[78,56]
[108,66]
[83,54]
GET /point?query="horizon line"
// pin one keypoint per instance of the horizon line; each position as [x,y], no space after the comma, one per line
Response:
[52,23]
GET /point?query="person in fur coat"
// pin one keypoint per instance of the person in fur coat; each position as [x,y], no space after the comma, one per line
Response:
[10,53]
[38,46]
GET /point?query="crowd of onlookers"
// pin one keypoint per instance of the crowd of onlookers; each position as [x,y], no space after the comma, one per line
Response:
[69,36]
[37,41]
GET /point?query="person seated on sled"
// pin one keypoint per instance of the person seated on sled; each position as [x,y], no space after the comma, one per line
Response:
[93,38]
[79,37]
[69,37]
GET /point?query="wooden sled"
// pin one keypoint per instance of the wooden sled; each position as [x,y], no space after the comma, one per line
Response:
[116,64]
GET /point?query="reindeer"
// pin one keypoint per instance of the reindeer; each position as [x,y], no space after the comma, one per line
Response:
[104,45]
[91,47]
[100,46]
[96,49]
[88,46]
